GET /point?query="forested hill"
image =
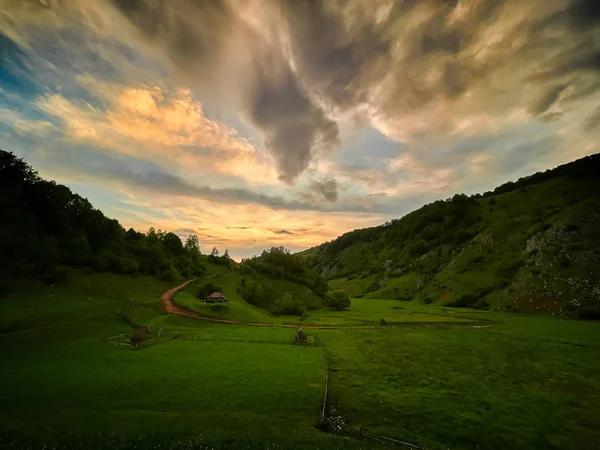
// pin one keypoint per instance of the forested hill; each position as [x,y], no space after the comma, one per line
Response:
[46,229]
[531,245]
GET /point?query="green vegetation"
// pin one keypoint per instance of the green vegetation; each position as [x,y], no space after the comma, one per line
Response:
[530,246]
[50,231]
[91,360]
[338,300]
[47,230]
[437,377]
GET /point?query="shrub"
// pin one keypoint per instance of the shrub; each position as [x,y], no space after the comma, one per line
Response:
[427,300]
[464,301]
[289,305]
[337,300]
[138,337]
[207,288]
[589,313]
[170,274]
[218,307]
[482,304]
[563,261]
[382,322]
[56,274]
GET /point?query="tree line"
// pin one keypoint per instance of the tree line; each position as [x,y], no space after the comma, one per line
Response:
[46,229]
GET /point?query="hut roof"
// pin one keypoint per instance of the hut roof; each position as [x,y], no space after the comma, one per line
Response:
[216,295]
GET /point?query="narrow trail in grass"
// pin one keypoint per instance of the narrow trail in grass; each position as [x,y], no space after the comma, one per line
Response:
[168,305]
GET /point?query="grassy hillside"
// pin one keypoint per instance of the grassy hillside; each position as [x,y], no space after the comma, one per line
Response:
[436,377]
[529,246]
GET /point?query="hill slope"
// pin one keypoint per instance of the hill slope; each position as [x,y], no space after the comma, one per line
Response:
[49,232]
[529,246]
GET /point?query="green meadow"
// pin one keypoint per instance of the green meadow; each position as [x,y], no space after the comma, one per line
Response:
[432,376]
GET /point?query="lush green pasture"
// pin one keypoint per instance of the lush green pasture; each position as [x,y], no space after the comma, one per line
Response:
[236,309]
[470,387]
[436,378]
[362,312]
[369,311]
[37,304]
[67,378]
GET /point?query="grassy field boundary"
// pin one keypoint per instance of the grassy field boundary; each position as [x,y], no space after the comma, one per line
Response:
[337,425]
[53,325]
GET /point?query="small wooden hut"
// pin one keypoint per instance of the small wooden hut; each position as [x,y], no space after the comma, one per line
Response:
[215,297]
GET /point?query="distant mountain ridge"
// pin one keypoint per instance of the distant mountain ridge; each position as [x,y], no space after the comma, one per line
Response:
[532,246]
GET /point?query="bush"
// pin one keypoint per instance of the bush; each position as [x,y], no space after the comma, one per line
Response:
[464,301]
[427,300]
[589,313]
[482,304]
[337,300]
[138,337]
[56,274]
[207,288]
[218,307]
[382,322]
[563,261]
[170,274]
[288,305]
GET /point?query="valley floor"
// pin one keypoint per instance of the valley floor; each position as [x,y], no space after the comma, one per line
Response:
[435,377]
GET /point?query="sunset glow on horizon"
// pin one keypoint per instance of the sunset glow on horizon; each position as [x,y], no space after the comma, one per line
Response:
[287,123]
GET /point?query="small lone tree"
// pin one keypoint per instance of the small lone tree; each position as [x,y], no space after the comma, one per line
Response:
[337,300]
[215,252]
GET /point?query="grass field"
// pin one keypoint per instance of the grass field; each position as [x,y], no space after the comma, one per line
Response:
[364,312]
[432,377]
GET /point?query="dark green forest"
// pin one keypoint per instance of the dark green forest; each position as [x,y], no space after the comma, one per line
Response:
[46,230]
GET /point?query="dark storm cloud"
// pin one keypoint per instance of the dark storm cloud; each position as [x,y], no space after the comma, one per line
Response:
[149,177]
[326,189]
[167,183]
[194,34]
[546,100]
[346,61]
[336,64]
[414,56]
[294,126]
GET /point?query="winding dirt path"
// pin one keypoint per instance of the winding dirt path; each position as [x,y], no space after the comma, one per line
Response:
[173,308]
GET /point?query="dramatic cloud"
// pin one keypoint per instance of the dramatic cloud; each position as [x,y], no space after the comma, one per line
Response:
[195,36]
[294,109]
[326,189]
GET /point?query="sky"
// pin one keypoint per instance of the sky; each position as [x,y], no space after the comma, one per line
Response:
[259,123]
